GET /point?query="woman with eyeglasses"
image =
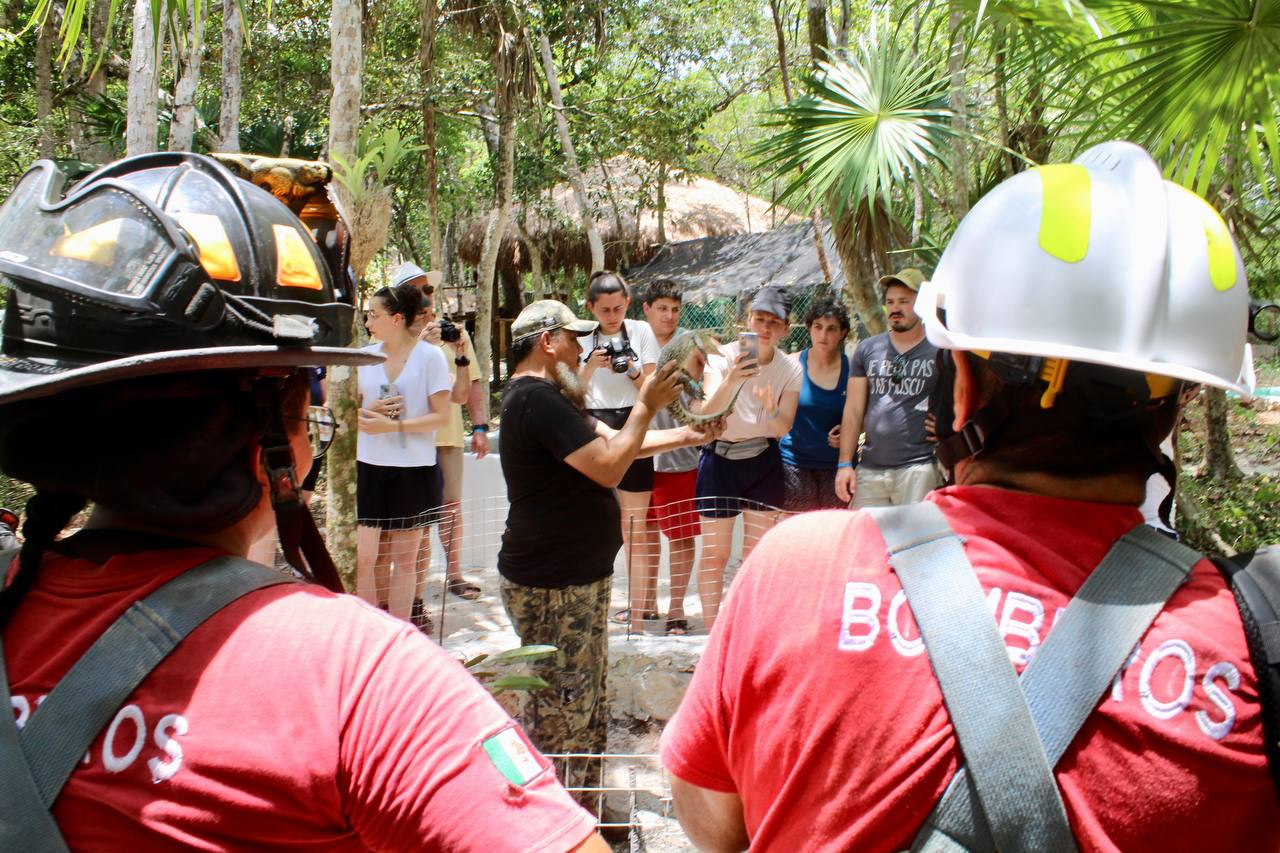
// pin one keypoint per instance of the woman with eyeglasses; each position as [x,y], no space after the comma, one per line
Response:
[811,449]
[403,401]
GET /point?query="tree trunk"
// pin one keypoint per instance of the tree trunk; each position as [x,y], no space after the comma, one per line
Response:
[98,152]
[1219,458]
[859,286]
[232,59]
[142,119]
[346,50]
[182,129]
[959,119]
[44,86]
[531,246]
[814,216]
[661,204]
[819,40]
[571,158]
[427,65]
[486,285]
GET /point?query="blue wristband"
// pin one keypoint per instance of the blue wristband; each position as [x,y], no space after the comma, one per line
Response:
[845,465]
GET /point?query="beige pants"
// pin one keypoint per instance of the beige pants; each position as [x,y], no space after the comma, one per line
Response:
[894,486]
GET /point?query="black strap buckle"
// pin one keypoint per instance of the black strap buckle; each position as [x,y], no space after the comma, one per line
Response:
[281,475]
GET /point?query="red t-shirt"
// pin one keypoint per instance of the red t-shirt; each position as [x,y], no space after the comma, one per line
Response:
[815,702]
[294,718]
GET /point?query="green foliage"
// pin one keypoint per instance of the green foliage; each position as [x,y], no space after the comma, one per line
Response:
[494,675]
[1245,514]
[378,151]
[1197,80]
[862,129]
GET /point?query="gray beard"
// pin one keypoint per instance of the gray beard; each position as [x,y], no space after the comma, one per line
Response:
[570,384]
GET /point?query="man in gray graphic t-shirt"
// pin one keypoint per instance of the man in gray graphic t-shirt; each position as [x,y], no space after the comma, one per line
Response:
[890,379]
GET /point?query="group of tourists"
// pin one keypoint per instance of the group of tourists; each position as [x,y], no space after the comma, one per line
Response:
[168,693]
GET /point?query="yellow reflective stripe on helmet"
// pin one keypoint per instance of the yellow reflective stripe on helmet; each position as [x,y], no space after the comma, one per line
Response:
[96,244]
[1065,211]
[216,255]
[295,266]
[1222,258]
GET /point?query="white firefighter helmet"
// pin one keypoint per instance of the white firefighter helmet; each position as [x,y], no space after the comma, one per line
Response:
[1100,260]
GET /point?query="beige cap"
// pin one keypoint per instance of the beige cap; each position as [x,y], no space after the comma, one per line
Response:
[547,315]
[910,278]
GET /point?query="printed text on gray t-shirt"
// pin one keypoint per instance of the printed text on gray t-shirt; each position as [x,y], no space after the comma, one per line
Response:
[898,388]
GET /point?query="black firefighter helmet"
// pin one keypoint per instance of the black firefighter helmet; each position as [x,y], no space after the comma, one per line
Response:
[159,263]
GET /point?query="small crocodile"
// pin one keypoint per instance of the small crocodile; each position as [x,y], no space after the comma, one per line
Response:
[689,350]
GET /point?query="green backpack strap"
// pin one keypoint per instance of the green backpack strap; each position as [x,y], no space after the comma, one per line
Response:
[36,761]
[1254,579]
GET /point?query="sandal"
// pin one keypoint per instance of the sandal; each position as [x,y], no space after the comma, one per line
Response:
[464,589]
[418,616]
[623,617]
[677,627]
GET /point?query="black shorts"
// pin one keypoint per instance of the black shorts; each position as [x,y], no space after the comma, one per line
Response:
[810,488]
[397,498]
[726,487]
[639,476]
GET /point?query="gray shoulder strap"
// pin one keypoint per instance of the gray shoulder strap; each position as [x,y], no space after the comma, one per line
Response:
[37,760]
[1007,765]
[1073,668]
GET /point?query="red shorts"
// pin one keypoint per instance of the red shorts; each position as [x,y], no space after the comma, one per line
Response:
[673,506]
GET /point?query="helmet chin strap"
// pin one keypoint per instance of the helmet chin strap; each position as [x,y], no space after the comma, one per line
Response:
[300,541]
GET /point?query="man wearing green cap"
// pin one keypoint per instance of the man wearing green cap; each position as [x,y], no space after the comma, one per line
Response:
[891,377]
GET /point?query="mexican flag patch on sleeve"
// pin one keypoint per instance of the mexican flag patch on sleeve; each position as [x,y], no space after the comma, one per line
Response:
[513,756]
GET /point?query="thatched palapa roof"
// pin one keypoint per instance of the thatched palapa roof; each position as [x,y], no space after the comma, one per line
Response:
[741,264]
[696,207]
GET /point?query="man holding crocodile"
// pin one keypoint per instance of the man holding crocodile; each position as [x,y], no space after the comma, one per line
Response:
[563,529]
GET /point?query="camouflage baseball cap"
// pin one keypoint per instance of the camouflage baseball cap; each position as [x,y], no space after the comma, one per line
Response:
[547,315]
[910,278]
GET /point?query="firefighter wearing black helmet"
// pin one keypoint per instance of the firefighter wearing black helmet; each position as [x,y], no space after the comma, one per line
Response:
[168,693]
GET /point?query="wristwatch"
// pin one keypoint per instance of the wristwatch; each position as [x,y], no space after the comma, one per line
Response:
[480,428]
[462,361]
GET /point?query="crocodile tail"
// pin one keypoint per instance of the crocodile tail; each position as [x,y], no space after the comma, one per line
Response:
[683,416]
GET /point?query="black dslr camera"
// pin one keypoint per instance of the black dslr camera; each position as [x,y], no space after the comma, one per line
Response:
[450,332]
[620,355]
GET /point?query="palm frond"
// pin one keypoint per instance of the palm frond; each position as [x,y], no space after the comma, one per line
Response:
[861,129]
[1199,77]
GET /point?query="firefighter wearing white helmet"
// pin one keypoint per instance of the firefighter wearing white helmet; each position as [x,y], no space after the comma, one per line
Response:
[856,692]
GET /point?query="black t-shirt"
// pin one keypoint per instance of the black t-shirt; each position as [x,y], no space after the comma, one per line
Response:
[562,528]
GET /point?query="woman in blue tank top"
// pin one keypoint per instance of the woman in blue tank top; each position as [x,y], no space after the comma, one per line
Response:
[810,450]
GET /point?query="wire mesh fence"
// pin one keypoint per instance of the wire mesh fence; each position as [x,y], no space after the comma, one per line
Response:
[725,316]
[439,569]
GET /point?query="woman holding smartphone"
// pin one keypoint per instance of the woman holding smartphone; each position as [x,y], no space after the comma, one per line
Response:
[741,474]
[403,401]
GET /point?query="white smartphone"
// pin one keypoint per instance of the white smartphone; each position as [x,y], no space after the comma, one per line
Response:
[749,342]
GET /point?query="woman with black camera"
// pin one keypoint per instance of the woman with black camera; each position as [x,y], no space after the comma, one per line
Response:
[615,360]
[403,400]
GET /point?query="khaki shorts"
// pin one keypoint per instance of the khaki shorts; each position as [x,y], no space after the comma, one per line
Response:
[450,461]
[894,486]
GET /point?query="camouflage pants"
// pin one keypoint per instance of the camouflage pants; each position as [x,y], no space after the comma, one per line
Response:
[572,716]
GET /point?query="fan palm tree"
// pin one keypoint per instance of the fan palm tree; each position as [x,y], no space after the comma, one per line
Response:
[863,129]
[1199,85]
